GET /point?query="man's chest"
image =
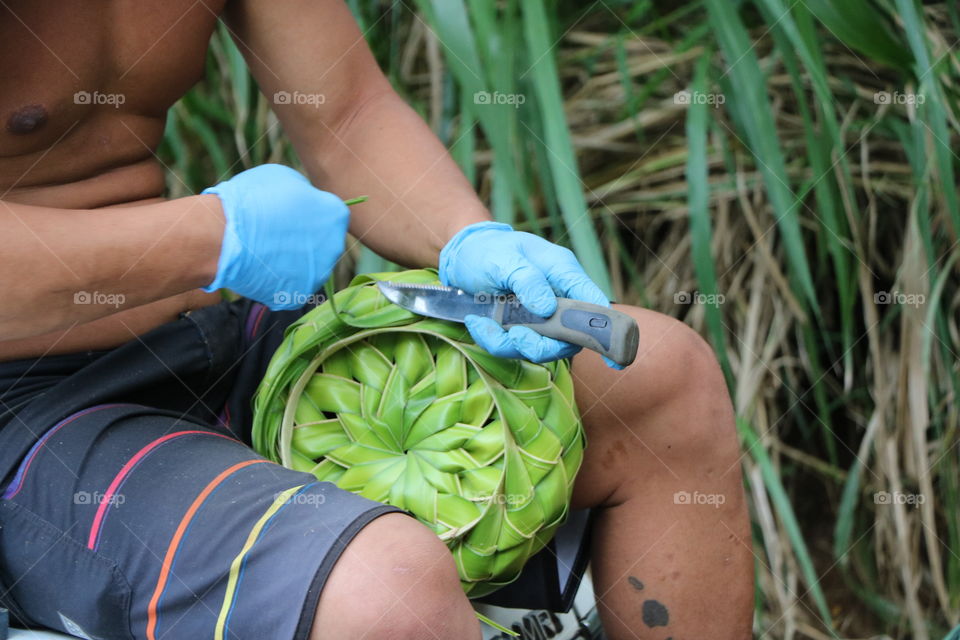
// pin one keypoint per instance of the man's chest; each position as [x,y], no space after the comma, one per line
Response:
[61,62]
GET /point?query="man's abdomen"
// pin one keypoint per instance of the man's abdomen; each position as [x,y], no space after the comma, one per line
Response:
[108,332]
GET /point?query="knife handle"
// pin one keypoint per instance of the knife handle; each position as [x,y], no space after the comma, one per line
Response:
[608,332]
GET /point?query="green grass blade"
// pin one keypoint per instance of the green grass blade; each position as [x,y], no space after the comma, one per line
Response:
[218,157]
[859,25]
[465,142]
[563,161]
[746,93]
[934,108]
[825,152]
[450,20]
[698,201]
[781,502]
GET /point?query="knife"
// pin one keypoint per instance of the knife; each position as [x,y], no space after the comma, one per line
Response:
[608,332]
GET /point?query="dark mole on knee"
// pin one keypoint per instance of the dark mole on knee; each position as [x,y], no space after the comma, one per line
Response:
[636,584]
[27,119]
[655,614]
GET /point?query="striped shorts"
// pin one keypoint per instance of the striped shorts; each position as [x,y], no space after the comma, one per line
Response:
[131,505]
[138,511]
[127,522]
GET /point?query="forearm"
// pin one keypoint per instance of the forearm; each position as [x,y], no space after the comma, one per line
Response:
[361,138]
[419,197]
[63,267]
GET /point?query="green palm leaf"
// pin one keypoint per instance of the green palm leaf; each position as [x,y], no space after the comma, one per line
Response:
[409,411]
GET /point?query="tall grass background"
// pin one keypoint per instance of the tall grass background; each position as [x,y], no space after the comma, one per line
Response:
[798,205]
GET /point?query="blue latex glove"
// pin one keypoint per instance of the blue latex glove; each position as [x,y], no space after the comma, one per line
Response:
[492,257]
[282,237]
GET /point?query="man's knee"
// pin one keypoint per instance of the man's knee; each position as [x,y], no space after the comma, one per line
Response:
[690,390]
[395,580]
[673,399]
[684,363]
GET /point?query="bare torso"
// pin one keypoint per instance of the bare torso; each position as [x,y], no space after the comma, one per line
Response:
[86,87]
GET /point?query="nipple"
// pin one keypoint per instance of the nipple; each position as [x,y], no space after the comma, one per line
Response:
[27,119]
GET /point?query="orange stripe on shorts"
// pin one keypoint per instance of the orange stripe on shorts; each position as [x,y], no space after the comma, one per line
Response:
[178,536]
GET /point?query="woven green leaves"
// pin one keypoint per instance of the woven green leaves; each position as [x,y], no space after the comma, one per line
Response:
[408,411]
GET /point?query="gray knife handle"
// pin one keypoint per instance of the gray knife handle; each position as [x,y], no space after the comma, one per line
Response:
[608,332]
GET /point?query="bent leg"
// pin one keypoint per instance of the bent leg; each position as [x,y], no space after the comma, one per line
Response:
[671,547]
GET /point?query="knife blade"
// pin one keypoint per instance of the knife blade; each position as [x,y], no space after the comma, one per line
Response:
[611,333]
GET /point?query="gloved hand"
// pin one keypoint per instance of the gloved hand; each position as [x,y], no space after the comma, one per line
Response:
[492,257]
[282,236]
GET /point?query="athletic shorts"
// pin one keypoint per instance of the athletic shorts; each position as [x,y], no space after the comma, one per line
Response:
[131,505]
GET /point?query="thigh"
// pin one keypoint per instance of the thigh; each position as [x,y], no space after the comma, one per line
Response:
[126,522]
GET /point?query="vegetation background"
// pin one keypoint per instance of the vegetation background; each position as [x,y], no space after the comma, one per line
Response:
[780,174]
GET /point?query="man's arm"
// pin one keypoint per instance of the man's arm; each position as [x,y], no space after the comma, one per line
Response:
[127,256]
[362,139]
[356,136]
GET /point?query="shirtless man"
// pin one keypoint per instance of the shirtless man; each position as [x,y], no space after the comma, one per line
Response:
[82,213]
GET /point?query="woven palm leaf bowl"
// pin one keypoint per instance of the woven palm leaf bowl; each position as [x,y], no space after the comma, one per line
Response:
[409,411]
